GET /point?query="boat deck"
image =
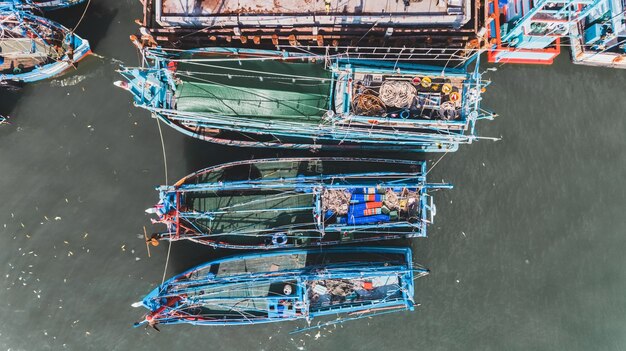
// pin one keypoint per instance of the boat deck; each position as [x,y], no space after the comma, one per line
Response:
[452,12]
[452,25]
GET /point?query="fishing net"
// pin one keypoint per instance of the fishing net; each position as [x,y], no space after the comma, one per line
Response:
[336,201]
[368,105]
[411,204]
[392,200]
[397,93]
[338,287]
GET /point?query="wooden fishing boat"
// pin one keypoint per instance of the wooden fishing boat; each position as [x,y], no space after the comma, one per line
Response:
[295,202]
[272,99]
[353,282]
[33,48]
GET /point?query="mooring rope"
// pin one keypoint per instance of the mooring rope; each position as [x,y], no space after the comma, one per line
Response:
[169,246]
[81,17]
[435,164]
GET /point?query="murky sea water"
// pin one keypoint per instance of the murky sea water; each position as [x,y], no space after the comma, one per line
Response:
[527,253]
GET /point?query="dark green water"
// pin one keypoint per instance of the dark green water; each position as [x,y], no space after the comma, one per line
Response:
[527,253]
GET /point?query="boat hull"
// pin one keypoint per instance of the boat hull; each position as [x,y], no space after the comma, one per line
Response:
[287,285]
[74,49]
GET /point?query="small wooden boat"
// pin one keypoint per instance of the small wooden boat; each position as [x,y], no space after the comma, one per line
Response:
[266,287]
[33,48]
[295,202]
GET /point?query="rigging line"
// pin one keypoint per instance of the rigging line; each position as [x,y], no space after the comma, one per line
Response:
[264,73]
[196,32]
[194,73]
[169,247]
[366,33]
[226,56]
[435,164]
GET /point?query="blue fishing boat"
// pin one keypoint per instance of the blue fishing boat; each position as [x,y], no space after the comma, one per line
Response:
[260,98]
[33,48]
[297,202]
[277,286]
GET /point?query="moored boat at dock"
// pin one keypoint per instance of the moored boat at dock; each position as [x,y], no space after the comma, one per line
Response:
[33,48]
[352,282]
[296,202]
[275,99]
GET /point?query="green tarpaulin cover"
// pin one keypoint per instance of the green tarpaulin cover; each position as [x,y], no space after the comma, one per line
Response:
[266,89]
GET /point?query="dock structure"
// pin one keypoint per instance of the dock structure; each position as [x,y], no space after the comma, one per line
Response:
[432,30]
[524,31]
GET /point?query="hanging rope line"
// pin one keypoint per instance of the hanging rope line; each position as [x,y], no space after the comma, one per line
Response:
[435,164]
[169,246]
[81,17]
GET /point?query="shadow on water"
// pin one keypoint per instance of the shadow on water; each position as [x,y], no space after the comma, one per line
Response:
[200,154]
[94,25]
[9,98]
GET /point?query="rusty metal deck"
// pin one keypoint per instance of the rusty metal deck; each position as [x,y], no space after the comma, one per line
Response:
[452,13]
[453,28]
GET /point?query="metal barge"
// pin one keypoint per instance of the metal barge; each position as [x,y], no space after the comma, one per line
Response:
[442,31]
